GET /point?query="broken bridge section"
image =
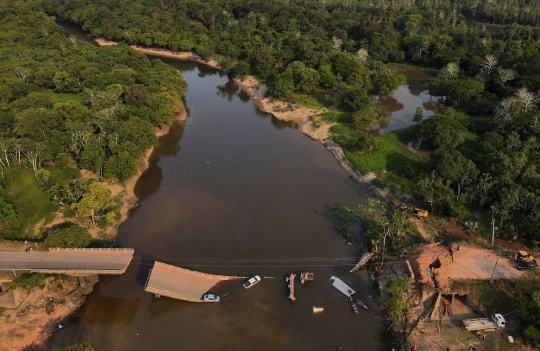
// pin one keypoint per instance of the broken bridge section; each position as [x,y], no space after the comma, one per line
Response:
[180,283]
[77,262]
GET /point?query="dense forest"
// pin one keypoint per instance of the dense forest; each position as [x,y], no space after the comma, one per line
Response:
[65,104]
[65,101]
[483,143]
[484,156]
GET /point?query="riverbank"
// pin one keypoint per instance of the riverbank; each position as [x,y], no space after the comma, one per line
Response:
[29,326]
[34,314]
[282,110]
[123,192]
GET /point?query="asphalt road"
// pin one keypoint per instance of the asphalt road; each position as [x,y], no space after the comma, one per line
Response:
[114,260]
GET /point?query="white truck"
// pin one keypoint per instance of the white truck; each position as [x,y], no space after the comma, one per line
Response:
[494,322]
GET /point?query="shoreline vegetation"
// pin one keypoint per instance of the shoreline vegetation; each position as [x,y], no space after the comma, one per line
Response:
[300,115]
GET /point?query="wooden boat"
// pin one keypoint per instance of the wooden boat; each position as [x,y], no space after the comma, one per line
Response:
[361,304]
[57,327]
[366,256]
[353,305]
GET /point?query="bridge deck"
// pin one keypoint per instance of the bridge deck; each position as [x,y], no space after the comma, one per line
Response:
[180,283]
[68,261]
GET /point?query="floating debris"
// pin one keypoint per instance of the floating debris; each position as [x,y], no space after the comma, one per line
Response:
[318,310]
[305,276]
[341,286]
[290,280]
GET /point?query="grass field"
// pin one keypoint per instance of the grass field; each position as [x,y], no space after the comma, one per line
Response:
[31,203]
[390,158]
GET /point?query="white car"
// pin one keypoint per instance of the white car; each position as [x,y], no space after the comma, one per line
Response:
[210,298]
[251,281]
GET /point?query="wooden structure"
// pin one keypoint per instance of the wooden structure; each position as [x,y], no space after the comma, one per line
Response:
[306,276]
[77,262]
[180,283]
[366,256]
[290,280]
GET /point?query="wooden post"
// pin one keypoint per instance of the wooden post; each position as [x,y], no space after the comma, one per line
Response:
[494,268]
[290,279]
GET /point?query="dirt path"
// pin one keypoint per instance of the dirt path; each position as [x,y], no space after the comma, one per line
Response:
[32,323]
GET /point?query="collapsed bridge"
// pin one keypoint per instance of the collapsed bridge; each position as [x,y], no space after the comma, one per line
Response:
[181,283]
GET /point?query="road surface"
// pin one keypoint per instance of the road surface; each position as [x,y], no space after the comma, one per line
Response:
[68,261]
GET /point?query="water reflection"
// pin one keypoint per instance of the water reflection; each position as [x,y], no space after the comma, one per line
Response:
[150,180]
[76,32]
[228,90]
[401,105]
[281,124]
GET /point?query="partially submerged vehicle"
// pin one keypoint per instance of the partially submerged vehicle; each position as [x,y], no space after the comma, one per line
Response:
[251,281]
[58,326]
[210,298]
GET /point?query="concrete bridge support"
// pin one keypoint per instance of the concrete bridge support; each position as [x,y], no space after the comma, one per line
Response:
[87,282]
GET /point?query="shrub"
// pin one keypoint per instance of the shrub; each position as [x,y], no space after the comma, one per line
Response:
[69,237]
[29,280]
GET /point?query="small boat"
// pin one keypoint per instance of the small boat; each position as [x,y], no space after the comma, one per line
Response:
[353,305]
[361,304]
[366,256]
[57,327]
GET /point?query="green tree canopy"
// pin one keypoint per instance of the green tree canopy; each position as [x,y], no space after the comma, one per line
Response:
[70,237]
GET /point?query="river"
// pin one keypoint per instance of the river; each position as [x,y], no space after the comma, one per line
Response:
[234,191]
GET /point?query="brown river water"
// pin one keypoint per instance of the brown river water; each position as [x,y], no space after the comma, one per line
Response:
[234,191]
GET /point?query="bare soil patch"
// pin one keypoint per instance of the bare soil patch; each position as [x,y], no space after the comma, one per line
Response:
[469,263]
[33,322]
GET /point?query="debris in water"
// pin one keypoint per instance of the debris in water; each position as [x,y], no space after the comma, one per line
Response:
[317,310]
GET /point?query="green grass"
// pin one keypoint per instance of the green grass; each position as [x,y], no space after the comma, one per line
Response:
[56,98]
[336,117]
[390,159]
[31,203]
[342,130]
[314,100]
[64,175]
